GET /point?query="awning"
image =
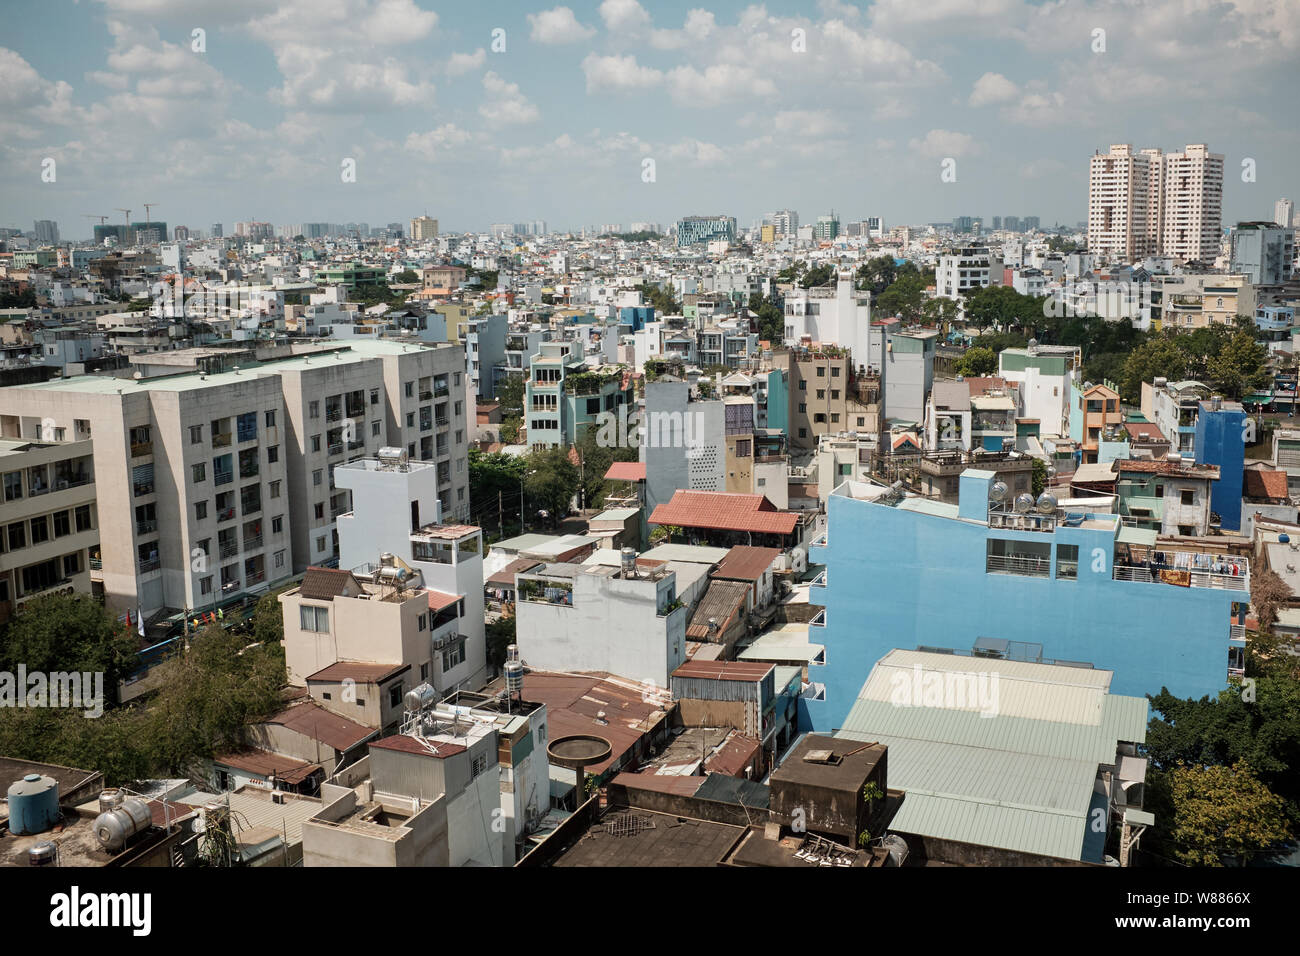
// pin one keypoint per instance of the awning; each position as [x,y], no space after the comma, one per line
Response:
[1142,536]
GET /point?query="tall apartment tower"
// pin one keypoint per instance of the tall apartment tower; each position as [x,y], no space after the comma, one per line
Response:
[422,227]
[1124,202]
[786,222]
[1283,209]
[1193,203]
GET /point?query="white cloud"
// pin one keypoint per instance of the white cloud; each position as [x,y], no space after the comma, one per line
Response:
[558,26]
[993,88]
[693,152]
[942,143]
[618,73]
[505,105]
[624,16]
[717,84]
[459,63]
[433,144]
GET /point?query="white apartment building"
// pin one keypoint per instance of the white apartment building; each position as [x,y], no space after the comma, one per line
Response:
[209,486]
[422,227]
[1283,210]
[840,316]
[398,511]
[49,539]
[963,271]
[593,617]
[683,442]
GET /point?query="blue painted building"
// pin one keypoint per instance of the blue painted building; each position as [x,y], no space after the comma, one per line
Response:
[912,572]
[635,316]
[1221,436]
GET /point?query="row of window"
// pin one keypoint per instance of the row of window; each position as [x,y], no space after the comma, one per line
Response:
[38,530]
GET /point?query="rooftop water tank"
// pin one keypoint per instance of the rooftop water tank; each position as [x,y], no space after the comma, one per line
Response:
[114,828]
[514,677]
[417,698]
[33,805]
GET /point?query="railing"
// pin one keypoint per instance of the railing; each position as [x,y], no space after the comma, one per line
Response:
[222,477]
[146,527]
[333,414]
[1218,573]
[1236,672]
[443,420]
[1237,632]
[442,392]
[335,448]
[251,542]
[248,471]
[250,507]
[220,439]
[426,395]
[248,434]
[819,619]
[150,564]
[97,564]
[257,577]
[1019,564]
[229,550]
[228,586]
[63,484]
[225,514]
[140,490]
[820,580]
[340,510]
[141,448]
[1068,570]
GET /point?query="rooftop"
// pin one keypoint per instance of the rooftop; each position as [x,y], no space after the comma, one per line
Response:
[746,563]
[724,512]
[631,837]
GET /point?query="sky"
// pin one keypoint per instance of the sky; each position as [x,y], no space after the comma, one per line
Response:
[485,112]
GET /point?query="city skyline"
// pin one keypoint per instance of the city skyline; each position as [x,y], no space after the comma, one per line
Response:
[740,111]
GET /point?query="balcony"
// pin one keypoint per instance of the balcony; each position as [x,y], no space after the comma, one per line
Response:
[334,448]
[222,477]
[225,514]
[149,564]
[220,439]
[139,490]
[247,434]
[1189,569]
[141,448]
[333,414]
[1237,632]
[818,620]
[441,392]
[228,586]
[426,395]
[146,527]
[443,421]
[1023,564]
[228,549]
[248,471]
[252,542]
[250,506]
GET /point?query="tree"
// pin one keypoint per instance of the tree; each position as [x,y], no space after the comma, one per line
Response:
[510,394]
[1222,813]
[1268,594]
[878,274]
[1159,357]
[1039,476]
[407,275]
[661,300]
[1003,306]
[70,632]
[903,298]
[1240,365]
[500,635]
[977,361]
[496,477]
[596,459]
[819,275]
[268,620]
[551,481]
[770,321]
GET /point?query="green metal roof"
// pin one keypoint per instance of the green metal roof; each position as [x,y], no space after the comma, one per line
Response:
[1131,535]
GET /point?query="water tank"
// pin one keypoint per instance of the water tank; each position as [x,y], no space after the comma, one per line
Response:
[1024,503]
[110,798]
[627,558]
[998,491]
[1046,503]
[44,853]
[512,652]
[420,697]
[386,559]
[514,677]
[33,804]
[1283,538]
[114,828]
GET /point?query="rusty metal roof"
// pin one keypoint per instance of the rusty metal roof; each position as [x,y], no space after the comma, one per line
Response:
[312,720]
[720,511]
[409,745]
[722,601]
[264,763]
[725,670]
[746,563]
[363,672]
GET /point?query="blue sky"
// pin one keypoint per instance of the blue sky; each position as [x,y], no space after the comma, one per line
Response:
[741,113]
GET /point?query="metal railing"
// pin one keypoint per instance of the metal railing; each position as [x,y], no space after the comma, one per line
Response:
[141,448]
[1217,573]
[150,564]
[225,514]
[220,439]
[222,477]
[1022,564]
[819,619]
[1237,632]
[251,542]
[335,448]
[248,471]
[229,549]
[257,577]
[146,527]
[140,490]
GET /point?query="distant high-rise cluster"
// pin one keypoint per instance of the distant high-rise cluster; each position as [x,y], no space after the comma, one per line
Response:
[47,232]
[254,230]
[1152,203]
[1283,212]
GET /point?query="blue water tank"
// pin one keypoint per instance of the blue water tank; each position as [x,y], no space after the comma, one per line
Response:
[1283,538]
[33,805]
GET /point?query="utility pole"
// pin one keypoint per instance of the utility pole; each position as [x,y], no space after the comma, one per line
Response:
[501,517]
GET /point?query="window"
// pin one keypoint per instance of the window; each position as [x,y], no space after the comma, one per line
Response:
[275,489]
[320,510]
[835,371]
[277,524]
[424,671]
[17,536]
[1188,496]
[803,433]
[196,434]
[803,408]
[453,655]
[821,371]
[410,419]
[71,564]
[1067,561]
[315,442]
[410,389]
[803,385]
[270,419]
[205,585]
[742,448]
[200,510]
[320,543]
[422,621]
[316,476]
[395,695]
[374,396]
[478,766]
[13,485]
[199,472]
[313,409]
[40,530]
[374,428]
[82,515]
[62,524]
[314,618]
[272,454]
[279,559]
[835,394]
[821,393]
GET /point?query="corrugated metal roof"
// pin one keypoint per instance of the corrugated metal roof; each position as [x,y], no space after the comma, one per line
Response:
[724,670]
[718,510]
[253,811]
[312,720]
[363,672]
[722,601]
[746,563]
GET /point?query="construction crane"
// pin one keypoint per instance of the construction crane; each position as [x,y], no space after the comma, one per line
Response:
[91,215]
[147,207]
[126,215]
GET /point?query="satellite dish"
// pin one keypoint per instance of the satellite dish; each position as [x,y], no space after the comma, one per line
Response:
[1046,503]
[998,491]
[1024,503]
